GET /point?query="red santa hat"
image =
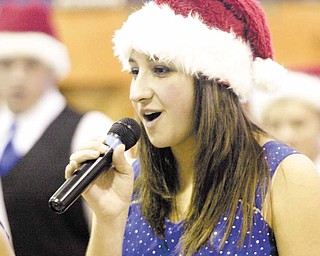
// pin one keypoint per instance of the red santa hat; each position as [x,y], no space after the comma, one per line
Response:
[227,40]
[26,30]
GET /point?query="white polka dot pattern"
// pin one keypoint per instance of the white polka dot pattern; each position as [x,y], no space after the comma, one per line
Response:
[140,239]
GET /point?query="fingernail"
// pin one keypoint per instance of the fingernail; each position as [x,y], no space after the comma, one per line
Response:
[103,147]
[95,153]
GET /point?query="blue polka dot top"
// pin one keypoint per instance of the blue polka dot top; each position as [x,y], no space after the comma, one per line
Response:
[140,239]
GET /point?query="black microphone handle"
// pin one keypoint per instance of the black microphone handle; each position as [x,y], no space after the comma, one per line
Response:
[73,187]
[125,131]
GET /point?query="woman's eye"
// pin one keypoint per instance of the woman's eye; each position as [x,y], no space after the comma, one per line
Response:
[134,72]
[161,70]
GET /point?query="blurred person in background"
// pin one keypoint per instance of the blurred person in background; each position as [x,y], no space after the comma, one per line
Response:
[292,113]
[38,131]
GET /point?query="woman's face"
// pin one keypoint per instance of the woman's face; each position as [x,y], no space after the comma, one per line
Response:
[163,99]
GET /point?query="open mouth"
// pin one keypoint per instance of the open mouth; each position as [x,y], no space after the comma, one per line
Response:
[152,116]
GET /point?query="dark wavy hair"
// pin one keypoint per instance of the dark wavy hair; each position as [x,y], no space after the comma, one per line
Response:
[229,166]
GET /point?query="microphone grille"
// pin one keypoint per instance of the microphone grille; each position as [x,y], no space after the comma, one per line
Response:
[128,131]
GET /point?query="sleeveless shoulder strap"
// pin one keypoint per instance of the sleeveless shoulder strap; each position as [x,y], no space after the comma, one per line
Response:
[275,152]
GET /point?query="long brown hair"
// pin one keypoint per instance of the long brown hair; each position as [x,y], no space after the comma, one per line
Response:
[229,167]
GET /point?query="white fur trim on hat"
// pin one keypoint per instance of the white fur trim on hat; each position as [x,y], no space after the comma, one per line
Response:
[37,45]
[194,48]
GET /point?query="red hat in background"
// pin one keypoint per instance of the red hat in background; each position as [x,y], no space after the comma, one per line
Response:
[312,70]
[226,40]
[27,30]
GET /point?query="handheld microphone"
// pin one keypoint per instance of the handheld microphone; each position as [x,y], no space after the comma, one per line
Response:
[125,131]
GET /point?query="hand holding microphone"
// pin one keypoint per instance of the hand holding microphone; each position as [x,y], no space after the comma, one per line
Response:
[125,131]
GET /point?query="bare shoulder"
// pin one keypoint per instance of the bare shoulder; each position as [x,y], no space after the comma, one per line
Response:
[295,196]
[298,167]
[296,179]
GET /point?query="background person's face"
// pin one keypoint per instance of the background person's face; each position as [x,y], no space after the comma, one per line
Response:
[23,81]
[296,123]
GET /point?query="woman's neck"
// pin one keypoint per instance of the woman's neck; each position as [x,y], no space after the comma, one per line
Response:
[185,157]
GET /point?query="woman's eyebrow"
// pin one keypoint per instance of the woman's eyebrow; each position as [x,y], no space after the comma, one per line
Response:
[150,59]
[156,58]
[131,60]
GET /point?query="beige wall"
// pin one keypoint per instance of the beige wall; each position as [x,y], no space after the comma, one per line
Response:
[295,29]
[96,80]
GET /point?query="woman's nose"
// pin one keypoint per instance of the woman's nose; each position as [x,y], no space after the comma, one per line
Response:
[140,89]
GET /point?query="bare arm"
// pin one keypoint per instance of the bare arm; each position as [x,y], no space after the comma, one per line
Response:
[107,236]
[295,199]
[109,197]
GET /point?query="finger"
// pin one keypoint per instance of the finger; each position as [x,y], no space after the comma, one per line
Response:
[84,155]
[119,161]
[70,168]
[77,158]
[92,144]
